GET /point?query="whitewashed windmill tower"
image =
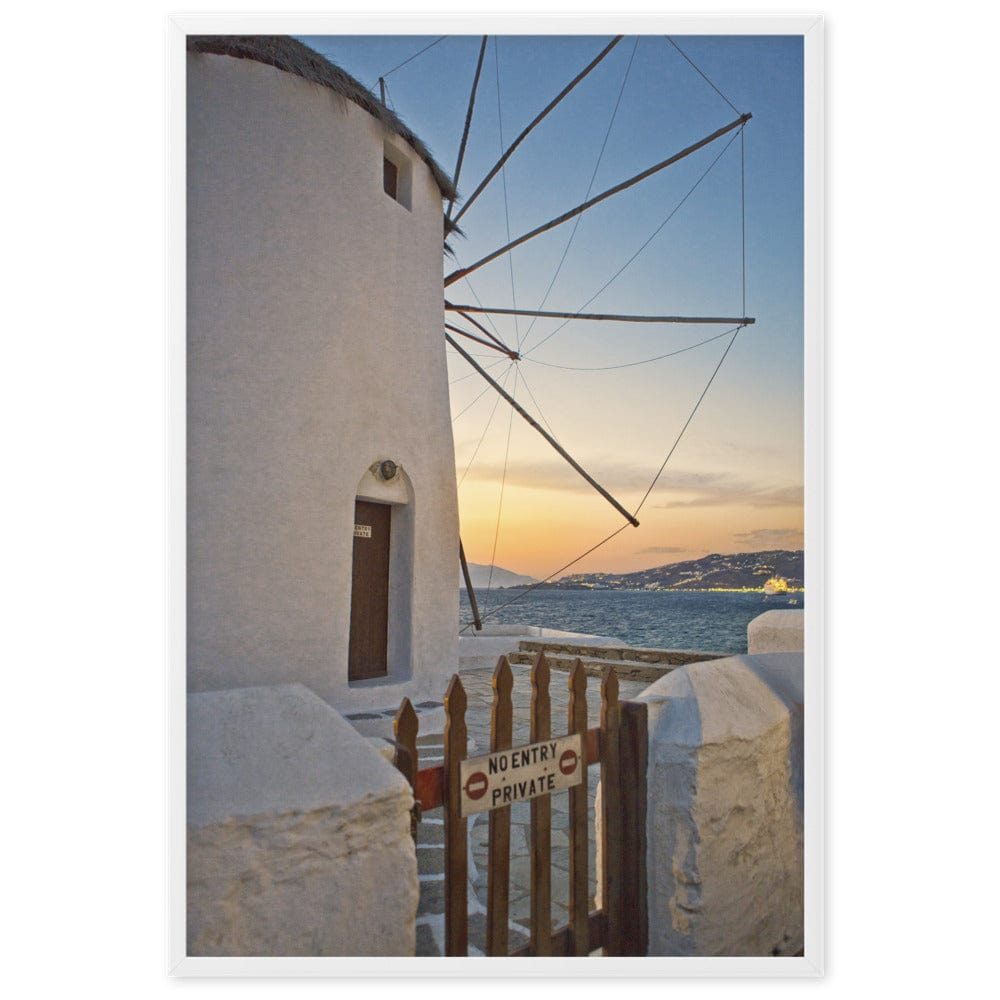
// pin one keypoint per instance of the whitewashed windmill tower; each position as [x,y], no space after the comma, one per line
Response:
[322,515]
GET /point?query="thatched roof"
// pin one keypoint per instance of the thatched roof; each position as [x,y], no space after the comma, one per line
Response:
[293,57]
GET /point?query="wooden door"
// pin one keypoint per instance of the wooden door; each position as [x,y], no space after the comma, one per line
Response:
[368,654]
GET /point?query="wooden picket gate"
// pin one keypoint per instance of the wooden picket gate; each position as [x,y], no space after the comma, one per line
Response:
[619,927]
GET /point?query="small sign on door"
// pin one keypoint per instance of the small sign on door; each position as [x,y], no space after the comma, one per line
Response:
[362,531]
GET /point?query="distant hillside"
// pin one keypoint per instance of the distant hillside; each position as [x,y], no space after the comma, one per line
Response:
[501,578]
[740,571]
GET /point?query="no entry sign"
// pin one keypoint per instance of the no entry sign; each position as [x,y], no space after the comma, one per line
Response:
[508,776]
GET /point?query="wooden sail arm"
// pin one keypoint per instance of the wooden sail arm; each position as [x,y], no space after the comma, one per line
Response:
[548,437]
[476,620]
[614,317]
[513,355]
[573,212]
[468,125]
[510,149]
[482,329]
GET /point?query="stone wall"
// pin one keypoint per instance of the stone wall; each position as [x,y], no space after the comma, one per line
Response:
[298,831]
[778,631]
[724,820]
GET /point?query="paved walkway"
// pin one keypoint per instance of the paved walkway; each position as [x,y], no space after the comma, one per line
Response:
[430,835]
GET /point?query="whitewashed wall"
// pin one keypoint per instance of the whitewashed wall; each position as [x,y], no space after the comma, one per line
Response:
[298,831]
[777,631]
[724,819]
[315,349]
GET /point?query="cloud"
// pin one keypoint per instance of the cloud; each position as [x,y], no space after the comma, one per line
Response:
[695,489]
[770,538]
[616,477]
[744,449]
[624,480]
[663,550]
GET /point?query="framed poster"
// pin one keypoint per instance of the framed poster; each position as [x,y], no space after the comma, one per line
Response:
[552,288]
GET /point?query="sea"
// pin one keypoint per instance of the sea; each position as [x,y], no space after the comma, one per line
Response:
[709,621]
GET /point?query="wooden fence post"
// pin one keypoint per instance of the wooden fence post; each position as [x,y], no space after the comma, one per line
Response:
[578,881]
[404,727]
[456,828]
[541,818]
[498,874]
[634,743]
[611,817]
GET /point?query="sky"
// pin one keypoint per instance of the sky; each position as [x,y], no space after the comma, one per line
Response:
[722,224]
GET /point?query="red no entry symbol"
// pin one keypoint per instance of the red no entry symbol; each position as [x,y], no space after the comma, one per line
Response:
[476,785]
[567,762]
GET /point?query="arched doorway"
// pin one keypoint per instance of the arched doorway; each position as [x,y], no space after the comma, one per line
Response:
[381,576]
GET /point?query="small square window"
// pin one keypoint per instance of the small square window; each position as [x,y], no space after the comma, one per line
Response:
[390,178]
[397,174]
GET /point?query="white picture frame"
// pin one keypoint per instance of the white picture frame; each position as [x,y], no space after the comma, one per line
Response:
[812,964]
